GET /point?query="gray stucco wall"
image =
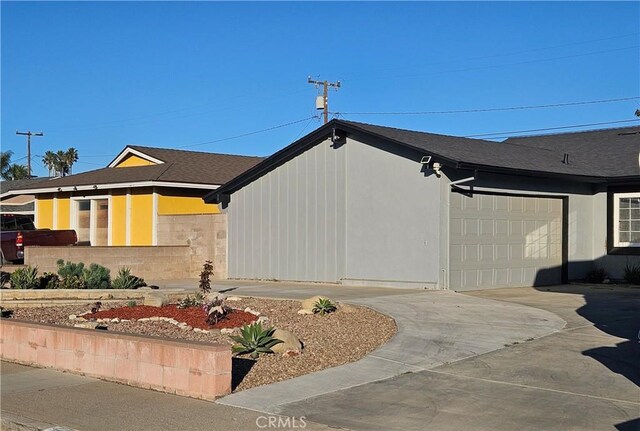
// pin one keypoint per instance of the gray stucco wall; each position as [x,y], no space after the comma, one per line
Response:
[290,223]
[393,219]
[354,214]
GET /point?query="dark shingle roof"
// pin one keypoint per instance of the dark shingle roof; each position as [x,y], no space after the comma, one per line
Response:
[199,167]
[607,152]
[179,167]
[543,154]
[6,186]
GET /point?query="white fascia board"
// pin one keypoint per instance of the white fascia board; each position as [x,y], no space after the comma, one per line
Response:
[113,186]
[127,151]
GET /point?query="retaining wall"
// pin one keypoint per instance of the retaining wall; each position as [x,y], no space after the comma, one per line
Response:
[148,262]
[196,370]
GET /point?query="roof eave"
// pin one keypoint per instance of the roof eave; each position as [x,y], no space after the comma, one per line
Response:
[107,186]
[532,173]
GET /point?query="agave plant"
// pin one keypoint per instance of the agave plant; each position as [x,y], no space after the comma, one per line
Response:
[254,340]
[323,306]
[25,278]
[125,280]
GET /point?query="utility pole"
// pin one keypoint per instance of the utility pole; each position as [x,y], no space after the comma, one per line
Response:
[325,94]
[28,134]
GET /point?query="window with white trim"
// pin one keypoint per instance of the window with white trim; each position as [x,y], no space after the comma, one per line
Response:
[626,213]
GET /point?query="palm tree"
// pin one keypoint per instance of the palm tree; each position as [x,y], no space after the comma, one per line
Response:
[17,172]
[71,156]
[5,163]
[49,160]
[60,165]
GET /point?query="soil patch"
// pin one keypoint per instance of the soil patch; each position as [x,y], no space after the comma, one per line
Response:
[192,316]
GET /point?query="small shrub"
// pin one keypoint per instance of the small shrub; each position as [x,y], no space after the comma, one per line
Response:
[49,280]
[598,275]
[216,309]
[190,301]
[124,280]
[205,277]
[71,275]
[132,303]
[632,273]
[96,307]
[254,340]
[323,306]
[25,278]
[97,277]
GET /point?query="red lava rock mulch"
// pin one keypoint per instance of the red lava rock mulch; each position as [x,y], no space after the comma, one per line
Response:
[192,316]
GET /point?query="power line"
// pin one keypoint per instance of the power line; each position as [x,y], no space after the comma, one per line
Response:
[509,108]
[250,133]
[508,54]
[509,133]
[499,65]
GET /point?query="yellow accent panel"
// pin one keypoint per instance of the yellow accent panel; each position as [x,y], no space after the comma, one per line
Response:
[119,219]
[64,208]
[141,217]
[45,212]
[133,160]
[170,205]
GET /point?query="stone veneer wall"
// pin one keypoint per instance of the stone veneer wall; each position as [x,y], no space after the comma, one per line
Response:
[206,234]
[197,370]
[148,262]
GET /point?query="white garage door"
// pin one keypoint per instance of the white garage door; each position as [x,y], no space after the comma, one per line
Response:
[498,241]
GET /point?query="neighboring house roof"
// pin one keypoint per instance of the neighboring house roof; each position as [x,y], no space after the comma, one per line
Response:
[17,208]
[191,168]
[466,153]
[6,186]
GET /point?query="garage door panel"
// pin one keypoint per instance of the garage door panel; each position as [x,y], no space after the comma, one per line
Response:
[504,241]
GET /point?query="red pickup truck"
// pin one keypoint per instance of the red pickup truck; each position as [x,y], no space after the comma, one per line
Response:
[17,232]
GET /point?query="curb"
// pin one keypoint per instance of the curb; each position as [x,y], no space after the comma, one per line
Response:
[11,422]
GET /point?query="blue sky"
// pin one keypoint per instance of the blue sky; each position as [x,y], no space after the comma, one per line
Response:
[99,76]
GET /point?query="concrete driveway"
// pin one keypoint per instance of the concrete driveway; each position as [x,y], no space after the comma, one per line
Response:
[562,358]
[583,377]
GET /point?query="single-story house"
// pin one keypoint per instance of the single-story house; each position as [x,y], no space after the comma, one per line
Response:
[131,201]
[361,204]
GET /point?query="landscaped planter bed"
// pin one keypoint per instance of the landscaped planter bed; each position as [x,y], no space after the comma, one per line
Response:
[334,339]
[192,316]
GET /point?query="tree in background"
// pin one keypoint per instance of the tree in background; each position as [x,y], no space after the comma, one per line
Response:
[9,171]
[17,172]
[5,163]
[71,156]
[49,160]
[60,162]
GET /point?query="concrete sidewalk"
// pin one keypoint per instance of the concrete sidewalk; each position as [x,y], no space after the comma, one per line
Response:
[36,399]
